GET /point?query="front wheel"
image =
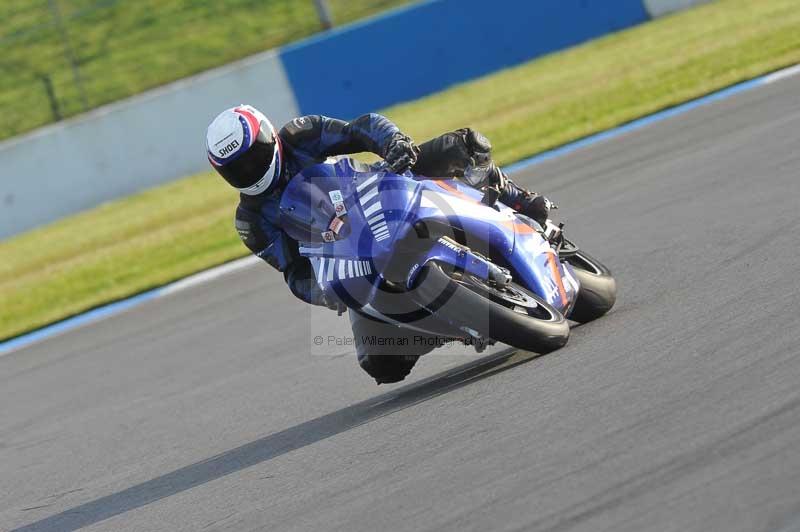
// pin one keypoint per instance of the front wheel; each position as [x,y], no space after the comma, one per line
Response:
[508,314]
[598,290]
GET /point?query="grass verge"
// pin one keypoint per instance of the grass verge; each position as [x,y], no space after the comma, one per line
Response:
[168,232]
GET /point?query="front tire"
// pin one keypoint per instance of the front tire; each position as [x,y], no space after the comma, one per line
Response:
[511,315]
[598,291]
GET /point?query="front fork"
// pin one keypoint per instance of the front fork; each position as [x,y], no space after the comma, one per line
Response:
[447,251]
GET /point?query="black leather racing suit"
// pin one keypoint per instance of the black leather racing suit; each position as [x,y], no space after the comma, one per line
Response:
[309,140]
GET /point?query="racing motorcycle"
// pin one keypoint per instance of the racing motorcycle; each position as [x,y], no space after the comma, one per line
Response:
[441,258]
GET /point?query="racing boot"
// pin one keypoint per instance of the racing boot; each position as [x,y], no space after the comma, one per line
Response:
[386,352]
[530,204]
[535,206]
[387,369]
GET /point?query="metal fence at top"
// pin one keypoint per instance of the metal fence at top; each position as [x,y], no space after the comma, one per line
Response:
[63,57]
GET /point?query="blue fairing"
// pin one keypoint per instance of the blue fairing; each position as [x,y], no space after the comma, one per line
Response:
[383,218]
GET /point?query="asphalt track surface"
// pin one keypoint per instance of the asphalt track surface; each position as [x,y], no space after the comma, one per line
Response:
[212,409]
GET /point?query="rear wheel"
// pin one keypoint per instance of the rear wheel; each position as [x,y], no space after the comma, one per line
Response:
[598,291]
[508,314]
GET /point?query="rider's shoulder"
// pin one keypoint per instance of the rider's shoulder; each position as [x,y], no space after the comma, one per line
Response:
[300,127]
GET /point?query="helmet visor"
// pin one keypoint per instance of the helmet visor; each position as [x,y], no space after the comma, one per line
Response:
[247,169]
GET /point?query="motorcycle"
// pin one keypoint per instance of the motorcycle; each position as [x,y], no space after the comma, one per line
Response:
[441,258]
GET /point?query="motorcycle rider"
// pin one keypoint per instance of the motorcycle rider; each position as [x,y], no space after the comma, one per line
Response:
[246,150]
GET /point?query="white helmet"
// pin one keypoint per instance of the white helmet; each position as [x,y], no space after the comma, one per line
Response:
[244,149]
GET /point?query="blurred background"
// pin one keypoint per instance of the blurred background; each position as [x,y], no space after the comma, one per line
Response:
[64,57]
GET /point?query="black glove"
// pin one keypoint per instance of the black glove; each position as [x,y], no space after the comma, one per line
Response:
[303,284]
[314,295]
[401,153]
[333,304]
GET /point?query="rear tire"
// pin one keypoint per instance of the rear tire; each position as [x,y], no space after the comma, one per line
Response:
[598,291]
[512,315]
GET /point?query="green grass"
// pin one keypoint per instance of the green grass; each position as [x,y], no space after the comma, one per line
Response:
[125,47]
[168,232]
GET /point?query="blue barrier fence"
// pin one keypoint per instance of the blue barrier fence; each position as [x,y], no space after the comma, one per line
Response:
[424,48]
